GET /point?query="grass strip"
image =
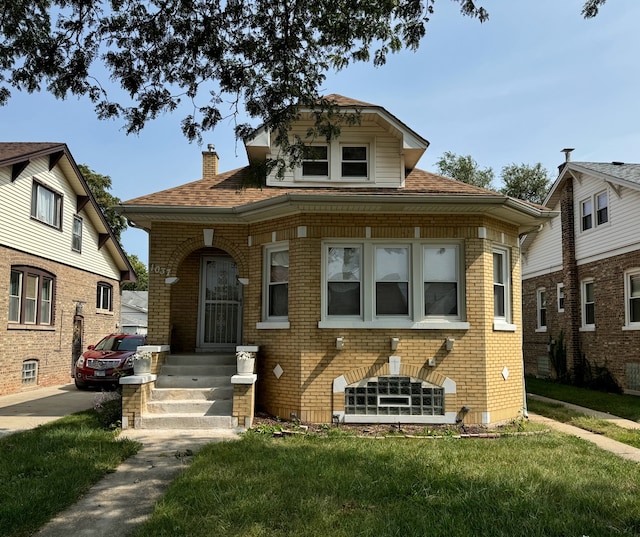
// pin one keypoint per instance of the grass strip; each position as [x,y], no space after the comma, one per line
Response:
[47,469]
[624,406]
[311,486]
[561,413]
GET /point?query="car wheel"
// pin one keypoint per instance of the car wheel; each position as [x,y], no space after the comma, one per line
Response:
[81,385]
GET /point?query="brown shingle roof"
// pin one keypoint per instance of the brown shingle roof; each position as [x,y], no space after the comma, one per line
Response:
[226,191]
[10,151]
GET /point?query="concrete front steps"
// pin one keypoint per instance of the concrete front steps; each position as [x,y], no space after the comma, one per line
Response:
[193,391]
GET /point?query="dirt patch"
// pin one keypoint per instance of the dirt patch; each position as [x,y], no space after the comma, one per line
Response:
[266,424]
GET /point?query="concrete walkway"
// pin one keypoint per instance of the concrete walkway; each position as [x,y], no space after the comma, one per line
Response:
[126,497]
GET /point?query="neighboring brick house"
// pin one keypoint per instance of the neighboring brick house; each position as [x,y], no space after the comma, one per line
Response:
[376,292]
[581,276]
[60,266]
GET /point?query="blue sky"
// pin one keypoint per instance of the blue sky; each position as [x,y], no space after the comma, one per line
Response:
[534,79]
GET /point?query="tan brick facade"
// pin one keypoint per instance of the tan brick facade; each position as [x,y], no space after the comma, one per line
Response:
[51,346]
[478,364]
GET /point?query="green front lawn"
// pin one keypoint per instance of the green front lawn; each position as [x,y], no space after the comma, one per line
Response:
[45,470]
[540,485]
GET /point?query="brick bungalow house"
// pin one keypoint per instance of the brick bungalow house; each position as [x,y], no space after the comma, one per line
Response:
[375,291]
[581,277]
[60,266]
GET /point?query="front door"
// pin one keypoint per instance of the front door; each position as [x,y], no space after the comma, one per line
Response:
[220,311]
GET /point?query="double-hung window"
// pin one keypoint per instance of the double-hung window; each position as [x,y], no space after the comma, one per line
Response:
[344,289]
[588,305]
[315,162]
[441,276]
[277,284]
[594,211]
[586,214]
[632,299]
[76,235]
[541,300]
[502,290]
[104,297]
[354,161]
[46,205]
[31,296]
[602,208]
[560,292]
[392,280]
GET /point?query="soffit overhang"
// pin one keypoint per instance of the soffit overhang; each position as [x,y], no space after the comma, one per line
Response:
[509,210]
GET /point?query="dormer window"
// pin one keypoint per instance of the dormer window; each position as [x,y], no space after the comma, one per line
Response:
[350,160]
[354,161]
[315,163]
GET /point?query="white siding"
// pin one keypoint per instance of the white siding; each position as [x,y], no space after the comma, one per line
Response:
[619,235]
[545,253]
[19,231]
[385,148]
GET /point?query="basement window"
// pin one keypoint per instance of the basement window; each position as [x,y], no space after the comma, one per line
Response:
[394,396]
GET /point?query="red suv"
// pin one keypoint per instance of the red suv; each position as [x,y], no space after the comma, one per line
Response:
[106,362]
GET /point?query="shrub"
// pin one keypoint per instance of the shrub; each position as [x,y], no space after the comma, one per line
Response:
[108,406]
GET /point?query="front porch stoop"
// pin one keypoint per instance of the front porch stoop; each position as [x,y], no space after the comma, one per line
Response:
[192,391]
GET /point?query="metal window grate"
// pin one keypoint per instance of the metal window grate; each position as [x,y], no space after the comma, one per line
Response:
[544,366]
[394,396]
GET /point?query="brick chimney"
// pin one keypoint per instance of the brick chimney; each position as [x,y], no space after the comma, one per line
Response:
[209,162]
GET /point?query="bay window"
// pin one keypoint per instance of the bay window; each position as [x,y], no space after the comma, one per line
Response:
[405,285]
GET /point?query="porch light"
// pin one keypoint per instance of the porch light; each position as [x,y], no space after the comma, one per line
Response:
[339,343]
[394,343]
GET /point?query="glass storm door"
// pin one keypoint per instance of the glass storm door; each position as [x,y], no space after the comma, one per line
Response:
[220,316]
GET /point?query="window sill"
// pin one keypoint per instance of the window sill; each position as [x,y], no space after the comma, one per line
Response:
[502,326]
[631,327]
[273,325]
[588,328]
[104,312]
[39,327]
[396,323]
[541,329]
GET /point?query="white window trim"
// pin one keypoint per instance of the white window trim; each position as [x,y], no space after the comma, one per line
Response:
[416,320]
[109,287]
[593,199]
[335,161]
[559,293]
[500,323]
[584,327]
[628,325]
[79,220]
[267,322]
[539,326]
[299,176]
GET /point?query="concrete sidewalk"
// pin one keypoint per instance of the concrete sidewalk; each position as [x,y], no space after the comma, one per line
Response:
[623,450]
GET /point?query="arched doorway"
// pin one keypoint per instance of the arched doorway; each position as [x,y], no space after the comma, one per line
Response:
[220,304]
